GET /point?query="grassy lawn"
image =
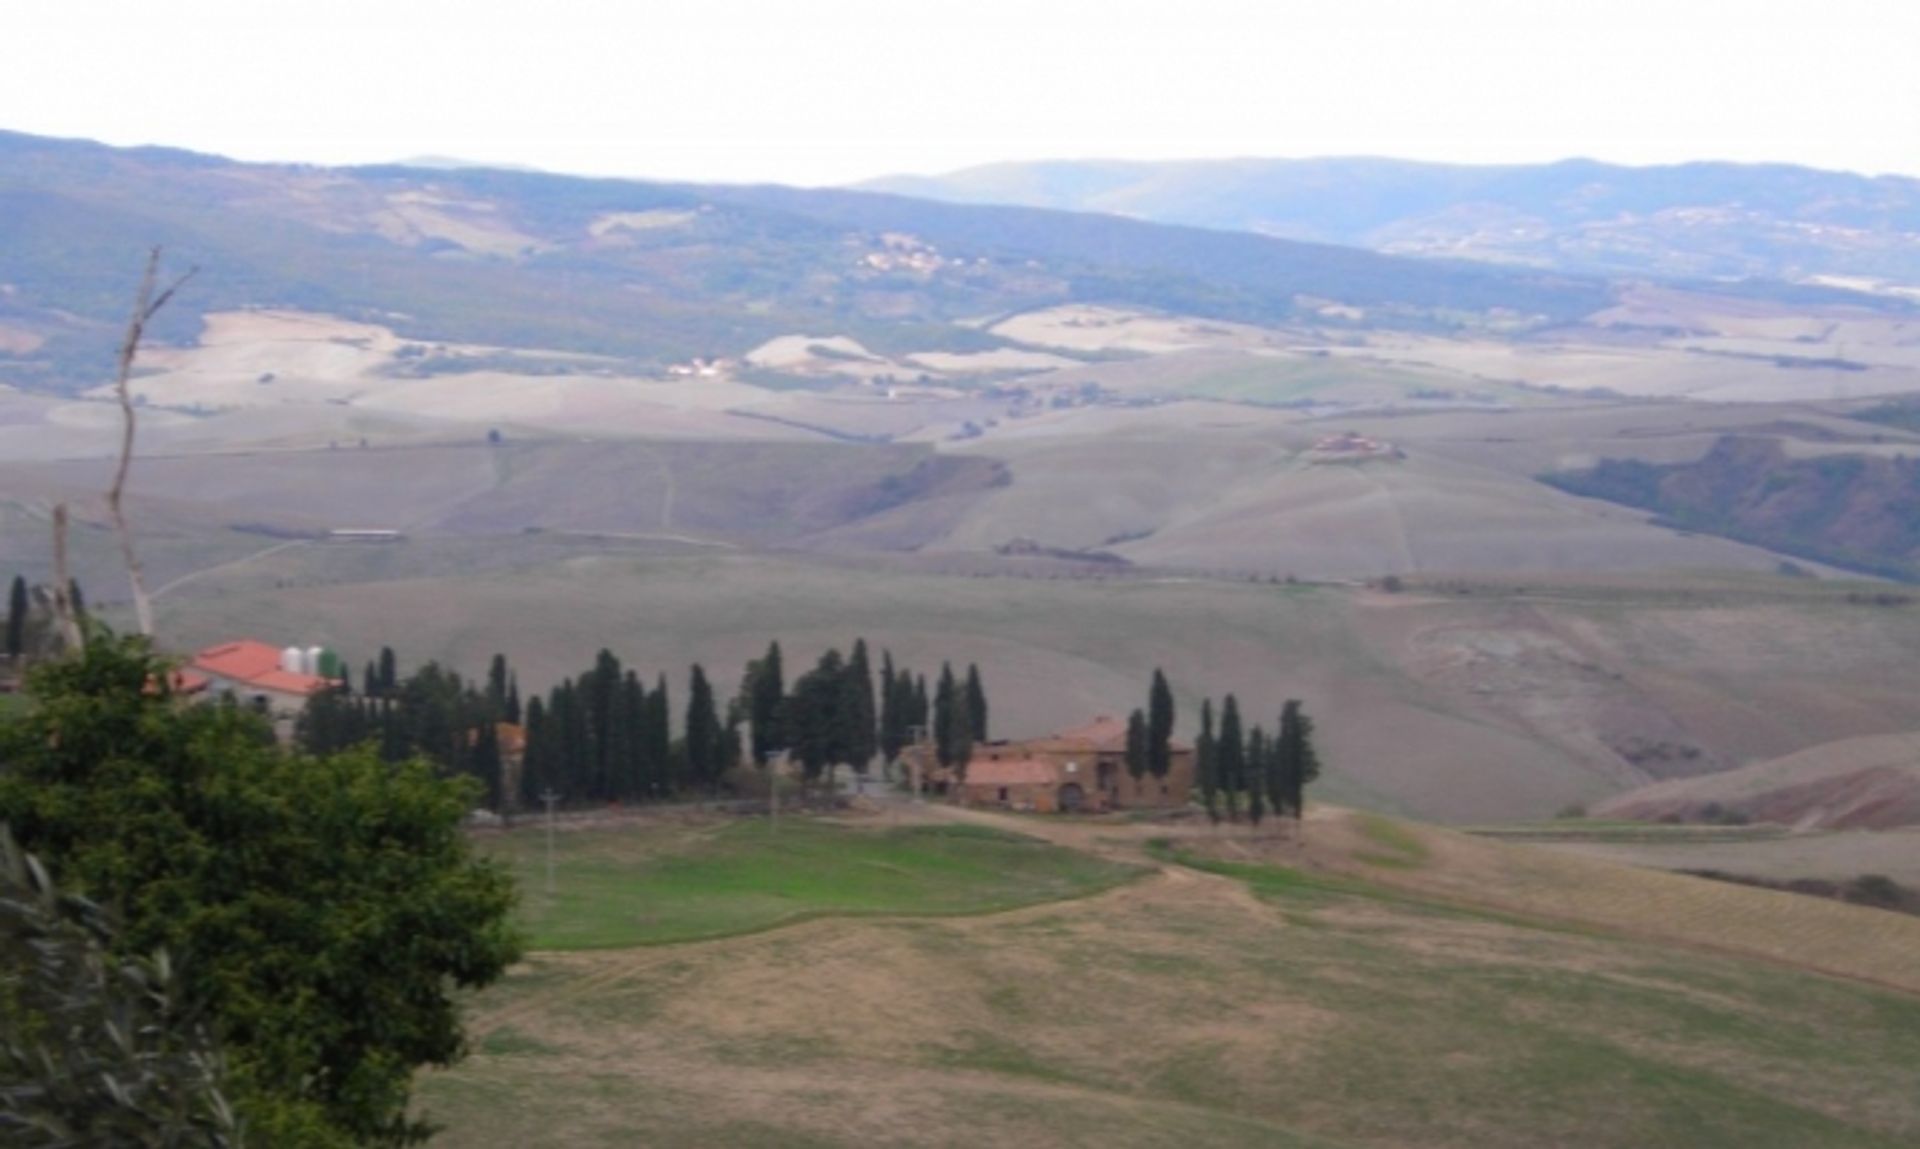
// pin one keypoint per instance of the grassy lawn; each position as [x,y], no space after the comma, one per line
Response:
[652,883]
[1322,1011]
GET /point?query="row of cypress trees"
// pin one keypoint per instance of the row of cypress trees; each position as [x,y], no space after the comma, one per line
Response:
[831,713]
[432,713]
[1254,770]
[605,735]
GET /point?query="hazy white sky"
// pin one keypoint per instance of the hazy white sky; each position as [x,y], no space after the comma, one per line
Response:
[824,91]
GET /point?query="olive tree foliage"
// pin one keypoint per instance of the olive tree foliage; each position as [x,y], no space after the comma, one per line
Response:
[325,908]
[95,1049]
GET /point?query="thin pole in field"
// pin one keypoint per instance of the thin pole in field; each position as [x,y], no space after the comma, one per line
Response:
[549,797]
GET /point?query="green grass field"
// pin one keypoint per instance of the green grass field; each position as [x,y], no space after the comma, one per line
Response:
[1235,1005]
[657,883]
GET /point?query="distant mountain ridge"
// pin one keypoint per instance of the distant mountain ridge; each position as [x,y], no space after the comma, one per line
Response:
[645,272]
[1705,219]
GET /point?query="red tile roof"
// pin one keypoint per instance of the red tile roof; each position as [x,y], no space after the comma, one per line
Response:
[257,665]
[1012,772]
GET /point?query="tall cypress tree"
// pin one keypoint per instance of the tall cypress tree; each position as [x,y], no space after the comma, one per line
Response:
[945,717]
[862,723]
[497,685]
[536,771]
[513,699]
[1160,717]
[976,704]
[1137,746]
[1256,776]
[890,735]
[659,750]
[702,732]
[1206,765]
[389,671]
[922,705]
[618,740]
[1273,767]
[1230,757]
[765,693]
[1299,762]
[952,725]
[17,617]
[569,739]
[602,688]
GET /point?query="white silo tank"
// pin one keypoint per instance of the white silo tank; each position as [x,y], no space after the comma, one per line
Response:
[291,658]
[310,661]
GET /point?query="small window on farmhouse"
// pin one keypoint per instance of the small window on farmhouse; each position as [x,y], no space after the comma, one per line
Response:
[1163,789]
[1003,793]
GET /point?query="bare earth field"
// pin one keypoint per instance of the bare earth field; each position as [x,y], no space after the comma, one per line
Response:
[1349,1003]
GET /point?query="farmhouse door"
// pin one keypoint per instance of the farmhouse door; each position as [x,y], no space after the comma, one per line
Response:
[1072,797]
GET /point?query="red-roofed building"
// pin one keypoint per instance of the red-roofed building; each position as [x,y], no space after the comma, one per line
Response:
[1082,769]
[253,672]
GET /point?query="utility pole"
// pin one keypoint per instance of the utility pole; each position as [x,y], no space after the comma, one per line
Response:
[549,797]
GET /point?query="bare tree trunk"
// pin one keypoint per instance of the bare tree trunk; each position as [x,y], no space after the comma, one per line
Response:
[145,306]
[70,632]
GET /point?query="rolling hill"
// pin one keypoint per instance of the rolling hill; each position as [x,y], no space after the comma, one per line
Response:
[1709,220]
[1855,510]
[649,273]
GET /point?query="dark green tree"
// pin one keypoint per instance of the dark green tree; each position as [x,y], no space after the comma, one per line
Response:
[497,686]
[632,780]
[536,769]
[95,1049]
[1256,776]
[659,739]
[893,733]
[17,606]
[976,704]
[816,716]
[1230,757]
[1298,761]
[703,733]
[766,690]
[389,671]
[1136,756]
[1160,718]
[952,726]
[329,907]
[1206,763]
[862,722]
[945,716]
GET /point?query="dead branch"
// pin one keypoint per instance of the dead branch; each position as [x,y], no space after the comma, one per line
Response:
[145,306]
[63,613]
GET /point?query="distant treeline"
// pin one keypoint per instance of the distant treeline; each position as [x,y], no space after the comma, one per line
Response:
[607,736]
[1861,512]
